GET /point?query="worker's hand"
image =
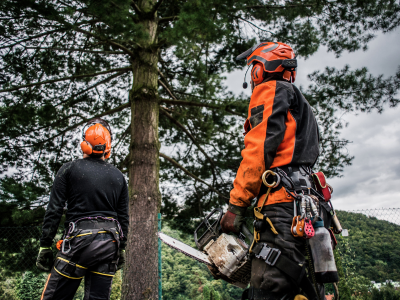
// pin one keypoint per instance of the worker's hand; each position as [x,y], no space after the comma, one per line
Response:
[45,260]
[122,258]
[233,219]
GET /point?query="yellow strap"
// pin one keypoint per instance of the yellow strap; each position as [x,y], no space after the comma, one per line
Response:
[102,274]
[66,275]
[60,258]
[300,297]
[259,215]
[255,240]
[83,234]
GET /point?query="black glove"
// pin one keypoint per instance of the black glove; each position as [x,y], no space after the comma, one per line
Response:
[122,258]
[233,219]
[45,260]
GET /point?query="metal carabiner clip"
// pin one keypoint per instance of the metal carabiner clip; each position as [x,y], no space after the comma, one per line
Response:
[63,246]
[73,227]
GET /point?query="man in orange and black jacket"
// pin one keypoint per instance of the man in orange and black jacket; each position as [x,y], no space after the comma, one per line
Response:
[280,132]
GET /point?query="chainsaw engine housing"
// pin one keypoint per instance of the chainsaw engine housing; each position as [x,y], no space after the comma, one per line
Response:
[229,255]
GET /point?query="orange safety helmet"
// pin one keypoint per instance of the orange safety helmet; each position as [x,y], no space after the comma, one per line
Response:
[268,58]
[96,138]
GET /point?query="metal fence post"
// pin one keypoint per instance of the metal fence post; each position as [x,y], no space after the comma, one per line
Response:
[159,260]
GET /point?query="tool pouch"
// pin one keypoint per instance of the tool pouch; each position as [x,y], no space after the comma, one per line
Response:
[321,185]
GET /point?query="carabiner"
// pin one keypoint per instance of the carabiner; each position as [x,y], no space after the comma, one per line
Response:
[63,246]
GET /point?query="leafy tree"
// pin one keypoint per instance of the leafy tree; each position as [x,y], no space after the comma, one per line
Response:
[184,278]
[374,252]
[153,69]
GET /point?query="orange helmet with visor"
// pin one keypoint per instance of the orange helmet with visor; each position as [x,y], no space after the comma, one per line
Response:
[269,58]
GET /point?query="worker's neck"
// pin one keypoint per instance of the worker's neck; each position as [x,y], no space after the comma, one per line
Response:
[86,156]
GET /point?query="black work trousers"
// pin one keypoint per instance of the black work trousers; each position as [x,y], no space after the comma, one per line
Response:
[95,262]
[268,281]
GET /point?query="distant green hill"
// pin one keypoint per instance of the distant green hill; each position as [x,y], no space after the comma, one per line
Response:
[375,246]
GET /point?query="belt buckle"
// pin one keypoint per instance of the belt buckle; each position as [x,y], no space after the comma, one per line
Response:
[272,251]
[267,253]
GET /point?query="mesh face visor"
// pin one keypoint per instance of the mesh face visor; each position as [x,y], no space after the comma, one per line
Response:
[247,53]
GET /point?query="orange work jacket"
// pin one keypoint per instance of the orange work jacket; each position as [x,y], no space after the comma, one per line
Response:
[281,129]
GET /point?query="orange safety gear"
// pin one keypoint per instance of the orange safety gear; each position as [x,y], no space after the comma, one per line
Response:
[274,57]
[96,138]
[257,73]
[280,130]
[58,245]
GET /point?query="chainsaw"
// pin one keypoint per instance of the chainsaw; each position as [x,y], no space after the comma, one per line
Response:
[226,256]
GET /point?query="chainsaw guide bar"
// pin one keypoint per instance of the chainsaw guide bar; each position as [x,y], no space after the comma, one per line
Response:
[185,249]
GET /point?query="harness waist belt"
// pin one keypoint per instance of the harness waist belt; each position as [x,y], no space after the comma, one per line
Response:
[96,224]
[295,177]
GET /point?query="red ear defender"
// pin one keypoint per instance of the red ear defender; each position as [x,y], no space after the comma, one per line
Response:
[257,73]
[86,148]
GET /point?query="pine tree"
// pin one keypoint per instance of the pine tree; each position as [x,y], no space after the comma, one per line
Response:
[153,70]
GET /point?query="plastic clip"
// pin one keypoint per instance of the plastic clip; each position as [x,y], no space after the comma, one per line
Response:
[309,231]
[267,255]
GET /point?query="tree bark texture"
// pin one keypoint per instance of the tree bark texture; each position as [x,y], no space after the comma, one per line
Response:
[141,268]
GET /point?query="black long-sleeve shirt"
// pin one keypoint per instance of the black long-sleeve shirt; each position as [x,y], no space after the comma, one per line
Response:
[90,187]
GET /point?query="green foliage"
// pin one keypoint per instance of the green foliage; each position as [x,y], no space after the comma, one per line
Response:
[375,247]
[186,279]
[116,286]
[387,292]
[65,62]
[30,287]
[7,286]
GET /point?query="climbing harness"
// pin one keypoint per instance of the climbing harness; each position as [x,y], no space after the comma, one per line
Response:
[261,219]
[73,226]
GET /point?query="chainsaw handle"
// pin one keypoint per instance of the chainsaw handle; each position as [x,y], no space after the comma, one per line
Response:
[212,230]
[247,233]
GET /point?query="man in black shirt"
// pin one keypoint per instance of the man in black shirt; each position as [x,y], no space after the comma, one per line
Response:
[96,222]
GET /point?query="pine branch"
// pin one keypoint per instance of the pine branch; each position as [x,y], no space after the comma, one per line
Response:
[277,6]
[187,172]
[136,8]
[251,23]
[31,38]
[177,123]
[78,50]
[126,69]
[156,6]
[109,112]
[167,19]
[91,87]
[167,89]
[190,103]
[123,48]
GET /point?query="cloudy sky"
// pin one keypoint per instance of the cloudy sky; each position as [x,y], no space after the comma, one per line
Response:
[373,179]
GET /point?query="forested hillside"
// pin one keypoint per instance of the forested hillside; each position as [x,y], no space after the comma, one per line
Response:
[375,246]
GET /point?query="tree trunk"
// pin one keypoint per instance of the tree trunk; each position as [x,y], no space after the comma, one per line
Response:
[141,268]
